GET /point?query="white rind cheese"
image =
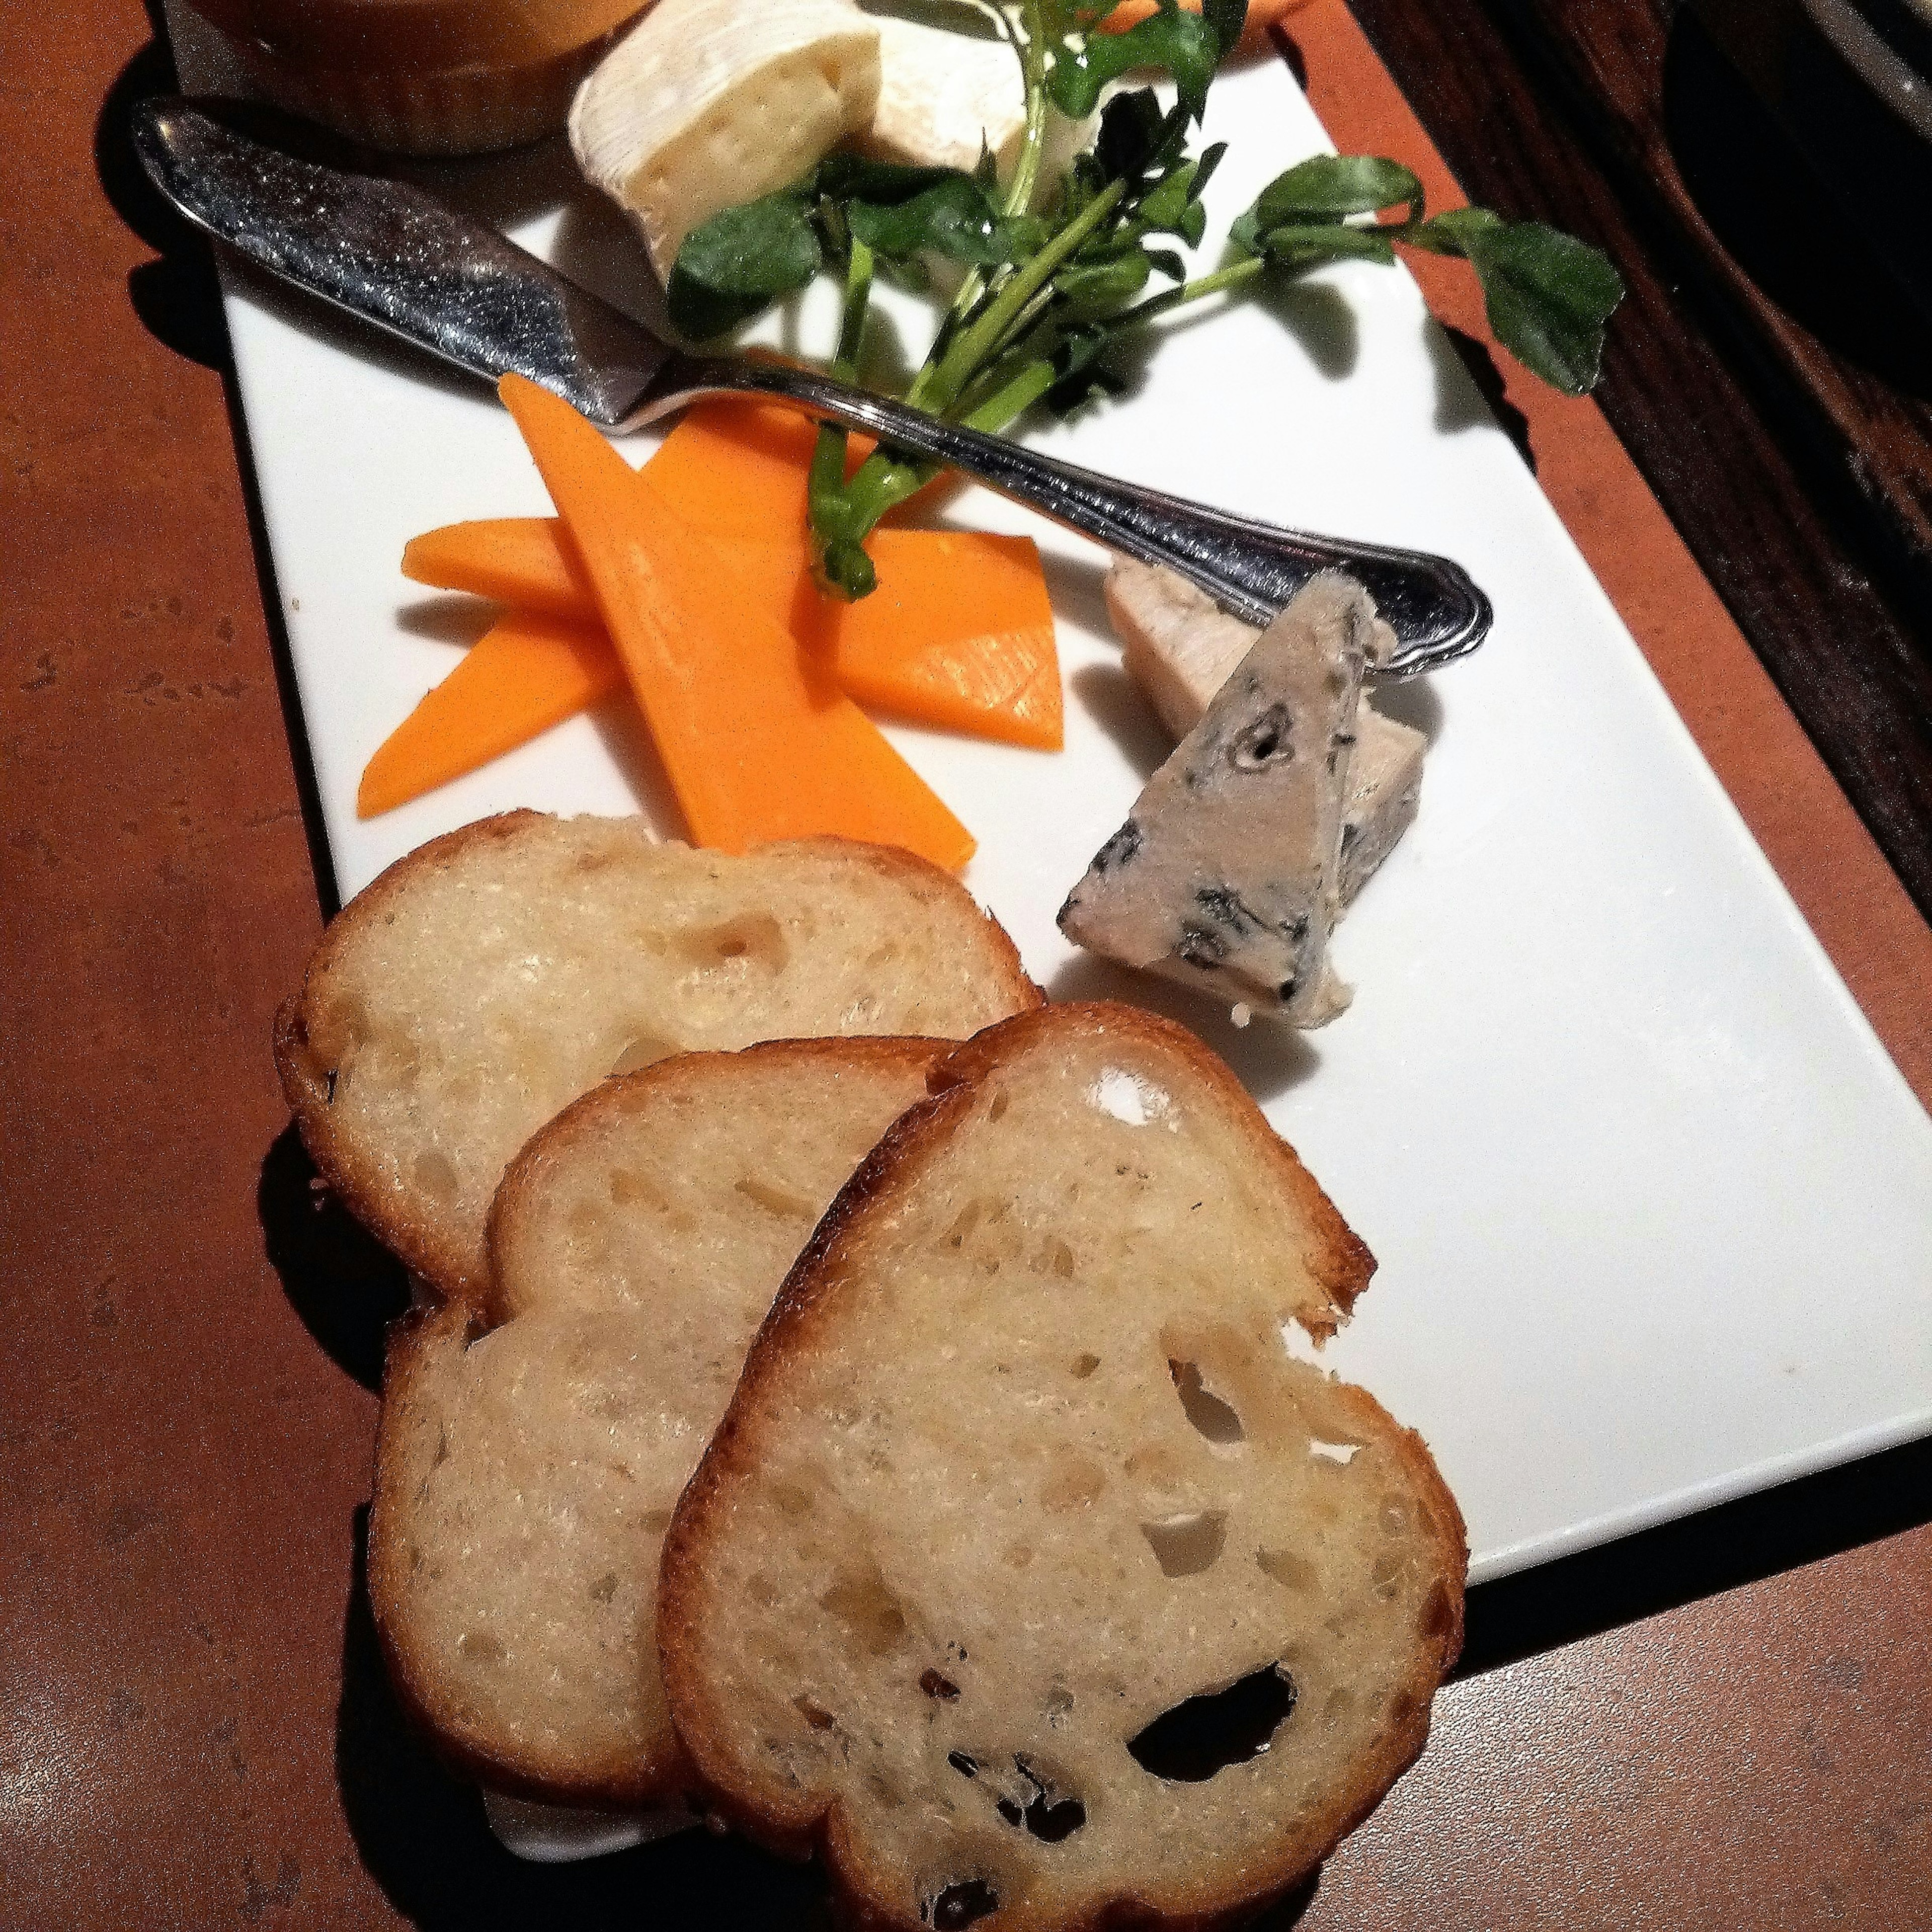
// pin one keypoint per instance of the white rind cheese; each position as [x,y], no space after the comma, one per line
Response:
[1226,875]
[945,98]
[1181,648]
[706,104]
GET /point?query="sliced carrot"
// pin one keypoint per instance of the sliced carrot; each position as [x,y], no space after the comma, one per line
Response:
[757,746]
[1262,14]
[524,562]
[739,467]
[524,674]
[958,634]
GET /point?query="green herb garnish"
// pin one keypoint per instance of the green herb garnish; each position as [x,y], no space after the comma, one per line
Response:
[1046,296]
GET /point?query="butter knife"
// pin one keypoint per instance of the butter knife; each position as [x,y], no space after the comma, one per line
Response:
[395,256]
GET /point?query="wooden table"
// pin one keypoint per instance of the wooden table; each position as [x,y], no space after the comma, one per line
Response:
[1726,1724]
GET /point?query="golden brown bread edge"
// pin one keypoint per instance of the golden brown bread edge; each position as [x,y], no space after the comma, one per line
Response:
[427,1697]
[424,1695]
[1343,1268]
[445,1266]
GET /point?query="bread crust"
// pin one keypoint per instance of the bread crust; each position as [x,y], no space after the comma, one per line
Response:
[461,1736]
[427,1244]
[428,1695]
[521,1188]
[815,1285]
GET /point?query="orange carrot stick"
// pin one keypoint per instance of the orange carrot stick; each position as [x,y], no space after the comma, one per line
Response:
[755,745]
[526,562]
[526,673]
[958,634]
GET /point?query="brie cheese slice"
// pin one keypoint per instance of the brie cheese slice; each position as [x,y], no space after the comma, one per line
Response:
[945,98]
[706,104]
[1226,875]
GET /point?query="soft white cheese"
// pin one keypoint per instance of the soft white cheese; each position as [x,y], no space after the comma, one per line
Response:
[945,98]
[707,103]
[1226,875]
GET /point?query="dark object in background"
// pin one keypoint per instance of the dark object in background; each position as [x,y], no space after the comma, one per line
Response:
[1851,84]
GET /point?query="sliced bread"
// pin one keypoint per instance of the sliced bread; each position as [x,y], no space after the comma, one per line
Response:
[525,1475]
[482,983]
[1030,1577]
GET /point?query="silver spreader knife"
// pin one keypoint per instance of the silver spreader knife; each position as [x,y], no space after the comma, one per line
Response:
[395,256]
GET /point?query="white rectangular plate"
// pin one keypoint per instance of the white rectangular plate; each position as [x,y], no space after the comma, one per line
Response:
[1653,1208]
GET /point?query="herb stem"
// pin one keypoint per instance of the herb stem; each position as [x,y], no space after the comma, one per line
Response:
[974,345]
[1235,275]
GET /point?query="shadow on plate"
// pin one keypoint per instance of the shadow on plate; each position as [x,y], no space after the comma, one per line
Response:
[1698,1556]
[1268,1060]
[1469,387]
[421,1835]
[450,617]
[346,1286]
[1113,701]
[1413,701]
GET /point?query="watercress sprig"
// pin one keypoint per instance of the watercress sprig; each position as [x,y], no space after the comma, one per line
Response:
[1053,276]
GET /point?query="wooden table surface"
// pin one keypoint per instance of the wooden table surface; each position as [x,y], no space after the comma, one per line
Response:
[1725,1723]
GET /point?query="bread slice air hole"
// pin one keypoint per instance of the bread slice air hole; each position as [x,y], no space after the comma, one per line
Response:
[646,1049]
[1215,1419]
[1051,1819]
[1343,1453]
[1292,1571]
[1190,1544]
[1084,1366]
[871,1613]
[1203,1735]
[964,1903]
[754,938]
[814,1713]
[779,1200]
[939,1686]
[433,1173]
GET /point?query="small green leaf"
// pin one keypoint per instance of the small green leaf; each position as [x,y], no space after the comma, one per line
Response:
[741,261]
[1084,377]
[1168,263]
[1244,232]
[1456,230]
[952,218]
[1549,297]
[1088,293]
[1227,17]
[1326,188]
[1304,244]
[1186,46]
[1162,207]
[1130,135]
[847,177]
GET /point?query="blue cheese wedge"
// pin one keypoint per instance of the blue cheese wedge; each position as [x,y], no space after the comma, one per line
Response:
[1181,648]
[1227,874]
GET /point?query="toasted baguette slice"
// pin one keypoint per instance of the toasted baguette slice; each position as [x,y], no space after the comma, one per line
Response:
[524,1477]
[483,983]
[1029,1575]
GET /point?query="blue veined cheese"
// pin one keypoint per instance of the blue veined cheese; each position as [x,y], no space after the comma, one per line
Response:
[1226,875]
[1180,649]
